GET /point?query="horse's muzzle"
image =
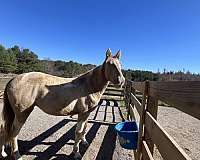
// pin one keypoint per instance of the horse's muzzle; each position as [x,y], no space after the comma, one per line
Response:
[120,82]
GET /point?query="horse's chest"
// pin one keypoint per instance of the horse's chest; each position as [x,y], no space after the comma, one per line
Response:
[92,101]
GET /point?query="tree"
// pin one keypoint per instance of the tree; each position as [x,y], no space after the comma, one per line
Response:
[7,60]
[28,61]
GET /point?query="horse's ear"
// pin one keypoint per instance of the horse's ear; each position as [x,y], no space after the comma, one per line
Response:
[108,53]
[118,54]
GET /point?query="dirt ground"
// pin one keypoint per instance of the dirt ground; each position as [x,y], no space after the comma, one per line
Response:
[50,137]
[184,128]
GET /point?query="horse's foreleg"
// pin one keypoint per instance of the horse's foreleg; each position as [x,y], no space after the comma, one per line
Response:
[14,149]
[3,153]
[83,138]
[79,134]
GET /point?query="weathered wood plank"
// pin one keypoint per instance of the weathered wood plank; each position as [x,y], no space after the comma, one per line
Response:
[139,86]
[112,85]
[168,148]
[152,108]
[1,94]
[142,120]
[146,153]
[113,94]
[127,98]
[136,103]
[184,95]
[104,97]
[114,89]
[132,114]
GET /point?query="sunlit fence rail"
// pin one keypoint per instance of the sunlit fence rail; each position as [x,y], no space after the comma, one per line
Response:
[113,93]
[141,98]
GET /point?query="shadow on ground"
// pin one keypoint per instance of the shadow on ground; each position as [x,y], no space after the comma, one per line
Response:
[51,152]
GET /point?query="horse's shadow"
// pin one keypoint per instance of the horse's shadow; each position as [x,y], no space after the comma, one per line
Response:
[25,147]
[51,152]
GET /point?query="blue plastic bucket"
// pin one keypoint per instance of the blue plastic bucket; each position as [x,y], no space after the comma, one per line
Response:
[127,134]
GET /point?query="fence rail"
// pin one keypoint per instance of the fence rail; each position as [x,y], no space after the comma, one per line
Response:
[1,94]
[112,93]
[184,95]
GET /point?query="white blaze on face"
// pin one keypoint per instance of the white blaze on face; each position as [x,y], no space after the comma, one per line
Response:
[120,77]
[118,64]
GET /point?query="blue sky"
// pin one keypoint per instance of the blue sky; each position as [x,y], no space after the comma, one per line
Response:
[152,34]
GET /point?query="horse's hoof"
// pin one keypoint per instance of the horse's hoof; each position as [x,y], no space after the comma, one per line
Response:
[3,154]
[77,156]
[85,143]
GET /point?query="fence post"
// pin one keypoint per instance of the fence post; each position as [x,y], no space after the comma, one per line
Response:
[142,119]
[132,90]
[127,98]
[152,108]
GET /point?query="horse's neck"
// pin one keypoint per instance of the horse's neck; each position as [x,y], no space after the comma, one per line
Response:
[97,84]
[97,80]
[92,83]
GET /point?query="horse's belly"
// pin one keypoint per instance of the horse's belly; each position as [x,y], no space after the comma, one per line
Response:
[58,109]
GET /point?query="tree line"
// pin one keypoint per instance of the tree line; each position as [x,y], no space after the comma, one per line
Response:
[18,60]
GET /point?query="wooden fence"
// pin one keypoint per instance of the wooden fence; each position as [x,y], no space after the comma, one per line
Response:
[3,82]
[184,95]
[142,97]
[114,94]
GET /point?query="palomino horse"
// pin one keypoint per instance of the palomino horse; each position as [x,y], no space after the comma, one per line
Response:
[56,96]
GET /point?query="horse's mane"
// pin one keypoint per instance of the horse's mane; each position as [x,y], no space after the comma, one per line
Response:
[91,73]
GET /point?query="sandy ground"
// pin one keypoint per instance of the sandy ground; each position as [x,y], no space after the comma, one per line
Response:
[184,128]
[50,137]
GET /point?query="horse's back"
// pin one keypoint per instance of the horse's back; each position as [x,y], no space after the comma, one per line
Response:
[25,88]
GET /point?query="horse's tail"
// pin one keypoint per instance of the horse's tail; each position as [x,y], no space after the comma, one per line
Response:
[8,115]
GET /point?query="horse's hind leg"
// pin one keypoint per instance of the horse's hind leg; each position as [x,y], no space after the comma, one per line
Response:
[17,125]
[13,141]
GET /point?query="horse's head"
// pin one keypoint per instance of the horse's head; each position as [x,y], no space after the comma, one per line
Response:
[112,68]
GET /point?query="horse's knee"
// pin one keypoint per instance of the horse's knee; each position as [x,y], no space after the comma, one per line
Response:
[80,126]
[14,145]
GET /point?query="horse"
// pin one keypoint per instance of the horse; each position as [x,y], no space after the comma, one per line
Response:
[56,96]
